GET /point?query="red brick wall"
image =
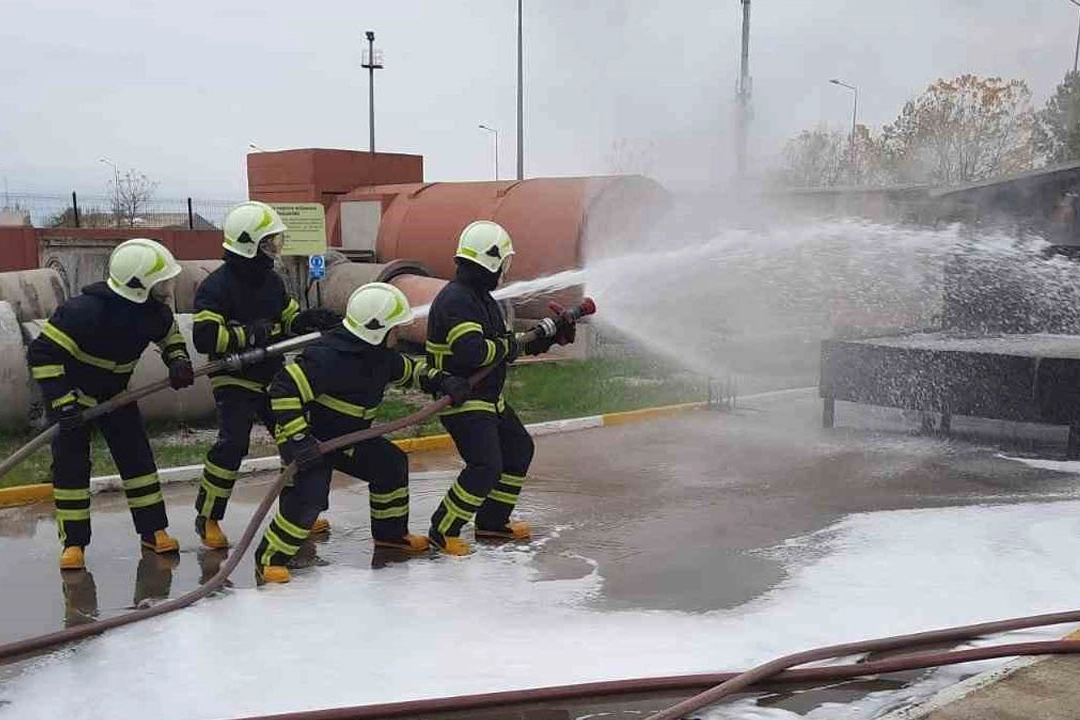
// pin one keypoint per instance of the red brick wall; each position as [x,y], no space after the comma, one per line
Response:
[19,246]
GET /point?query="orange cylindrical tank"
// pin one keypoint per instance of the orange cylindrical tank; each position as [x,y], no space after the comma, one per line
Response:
[421,291]
[552,220]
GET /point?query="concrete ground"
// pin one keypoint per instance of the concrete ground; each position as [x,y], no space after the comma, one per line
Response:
[671,513]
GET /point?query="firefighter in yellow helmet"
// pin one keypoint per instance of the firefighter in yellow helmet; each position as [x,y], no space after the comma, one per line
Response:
[85,354]
[243,305]
[333,388]
[467,331]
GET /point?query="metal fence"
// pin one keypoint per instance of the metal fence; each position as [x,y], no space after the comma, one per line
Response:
[102,211]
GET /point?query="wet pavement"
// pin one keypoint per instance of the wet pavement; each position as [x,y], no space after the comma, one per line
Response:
[671,514]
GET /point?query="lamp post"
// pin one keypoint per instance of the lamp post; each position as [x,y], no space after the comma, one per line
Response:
[1076,57]
[520,103]
[372,61]
[496,134]
[116,188]
[854,117]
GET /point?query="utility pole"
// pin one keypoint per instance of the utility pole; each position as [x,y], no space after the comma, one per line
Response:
[520,106]
[372,61]
[1076,57]
[743,92]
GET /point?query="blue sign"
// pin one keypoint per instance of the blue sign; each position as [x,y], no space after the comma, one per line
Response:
[317,267]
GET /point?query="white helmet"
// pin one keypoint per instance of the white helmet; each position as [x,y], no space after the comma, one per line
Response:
[136,266]
[487,244]
[374,309]
[247,225]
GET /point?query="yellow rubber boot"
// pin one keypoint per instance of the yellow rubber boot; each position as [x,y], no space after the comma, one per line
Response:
[278,574]
[321,525]
[72,558]
[160,542]
[409,543]
[517,530]
[450,545]
[211,533]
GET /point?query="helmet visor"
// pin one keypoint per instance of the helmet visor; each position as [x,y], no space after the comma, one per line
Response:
[163,291]
[272,244]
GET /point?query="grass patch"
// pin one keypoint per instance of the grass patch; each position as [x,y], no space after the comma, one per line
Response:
[538,391]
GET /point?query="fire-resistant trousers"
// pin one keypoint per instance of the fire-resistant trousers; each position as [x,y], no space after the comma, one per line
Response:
[237,411]
[497,451]
[125,435]
[378,462]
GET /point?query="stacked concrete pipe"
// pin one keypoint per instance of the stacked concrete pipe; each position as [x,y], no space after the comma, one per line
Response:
[28,298]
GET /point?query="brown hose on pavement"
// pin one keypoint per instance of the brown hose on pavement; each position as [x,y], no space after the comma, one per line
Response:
[464,703]
[770,669]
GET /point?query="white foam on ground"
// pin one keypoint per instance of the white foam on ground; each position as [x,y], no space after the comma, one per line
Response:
[1071,467]
[340,636]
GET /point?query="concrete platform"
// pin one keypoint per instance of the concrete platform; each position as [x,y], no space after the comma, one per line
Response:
[680,530]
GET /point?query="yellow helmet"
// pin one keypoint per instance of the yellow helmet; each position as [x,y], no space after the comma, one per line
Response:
[374,309]
[247,225]
[487,244]
[136,266]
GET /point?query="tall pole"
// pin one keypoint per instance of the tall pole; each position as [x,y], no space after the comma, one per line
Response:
[520,104]
[854,118]
[1076,57]
[496,134]
[743,93]
[372,64]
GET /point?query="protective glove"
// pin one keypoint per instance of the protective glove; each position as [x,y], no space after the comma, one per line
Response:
[181,374]
[302,449]
[567,332]
[315,319]
[513,347]
[259,334]
[457,388]
[538,346]
[68,417]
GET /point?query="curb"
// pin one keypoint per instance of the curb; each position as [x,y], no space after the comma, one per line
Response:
[29,494]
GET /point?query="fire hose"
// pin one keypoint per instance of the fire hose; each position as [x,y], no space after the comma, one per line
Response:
[231,362]
[42,642]
[668,684]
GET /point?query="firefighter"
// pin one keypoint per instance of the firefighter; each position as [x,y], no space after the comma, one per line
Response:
[85,354]
[333,388]
[243,305]
[467,331]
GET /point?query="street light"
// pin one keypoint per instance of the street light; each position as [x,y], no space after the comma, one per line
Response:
[116,188]
[256,148]
[371,60]
[1076,57]
[854,115]
[496,133]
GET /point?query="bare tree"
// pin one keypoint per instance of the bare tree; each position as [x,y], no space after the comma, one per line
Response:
[131,192]
[963,130]
[814,158]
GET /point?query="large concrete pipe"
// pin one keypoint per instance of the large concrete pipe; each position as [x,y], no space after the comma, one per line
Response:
[14,374]
[188,281]
[32,294]
[343,277]
[190,403]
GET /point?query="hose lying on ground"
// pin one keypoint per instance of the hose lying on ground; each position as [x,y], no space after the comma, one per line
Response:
[234,362]
[770,669]
[638,686]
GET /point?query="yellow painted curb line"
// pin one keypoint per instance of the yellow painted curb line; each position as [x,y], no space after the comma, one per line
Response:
[29,494]
[25,494]
[632,416]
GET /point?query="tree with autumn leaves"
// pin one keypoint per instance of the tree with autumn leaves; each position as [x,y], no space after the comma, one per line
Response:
[956,131]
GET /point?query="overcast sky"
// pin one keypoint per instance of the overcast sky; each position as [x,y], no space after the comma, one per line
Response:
[179,89]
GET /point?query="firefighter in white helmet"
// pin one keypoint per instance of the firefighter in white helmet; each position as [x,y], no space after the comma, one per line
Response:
[466,332]
[333,388]
[85,354]
[240,306]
